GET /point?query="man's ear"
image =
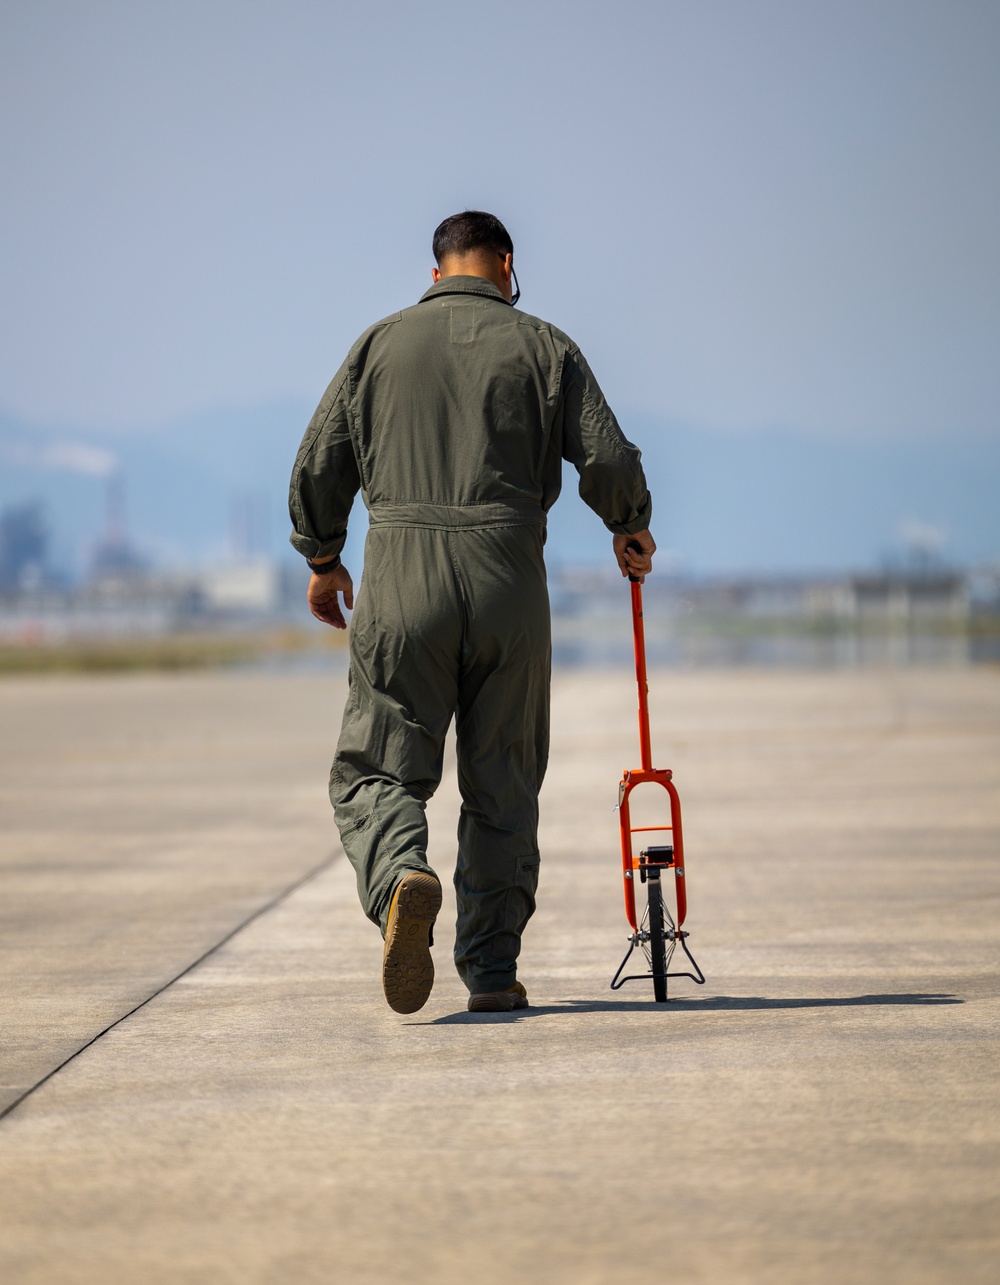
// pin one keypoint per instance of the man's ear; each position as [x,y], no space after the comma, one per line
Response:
[435,275]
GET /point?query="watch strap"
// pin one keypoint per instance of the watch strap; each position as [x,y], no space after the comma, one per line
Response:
[322,568]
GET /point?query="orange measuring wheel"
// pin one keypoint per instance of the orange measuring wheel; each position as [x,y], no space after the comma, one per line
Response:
[657,934]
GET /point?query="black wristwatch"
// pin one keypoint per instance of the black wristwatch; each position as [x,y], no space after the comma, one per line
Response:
[322,568]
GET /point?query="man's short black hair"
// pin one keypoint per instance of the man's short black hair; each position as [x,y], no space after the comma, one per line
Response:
[469,231]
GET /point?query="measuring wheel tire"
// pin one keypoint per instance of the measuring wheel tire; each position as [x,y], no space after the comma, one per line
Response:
[657,945]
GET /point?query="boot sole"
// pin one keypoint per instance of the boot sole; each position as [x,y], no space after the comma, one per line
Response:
[407,967]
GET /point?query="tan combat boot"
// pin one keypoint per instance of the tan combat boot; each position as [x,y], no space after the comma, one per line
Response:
[499,1001]
[407,967]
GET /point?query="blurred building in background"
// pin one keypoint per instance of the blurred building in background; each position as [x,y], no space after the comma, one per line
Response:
[927,615]
[24,540]
[114,558]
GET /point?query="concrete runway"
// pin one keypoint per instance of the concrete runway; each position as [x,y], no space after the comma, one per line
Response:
[825,1109]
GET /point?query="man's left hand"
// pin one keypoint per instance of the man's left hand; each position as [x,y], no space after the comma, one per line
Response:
[634,554]
[323,599]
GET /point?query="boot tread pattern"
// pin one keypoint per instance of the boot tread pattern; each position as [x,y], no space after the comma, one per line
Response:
[407,967]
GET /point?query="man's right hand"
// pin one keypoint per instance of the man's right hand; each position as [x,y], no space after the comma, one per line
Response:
[322,596]
[634,563]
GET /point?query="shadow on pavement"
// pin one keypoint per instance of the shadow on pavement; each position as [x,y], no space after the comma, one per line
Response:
[716,1003]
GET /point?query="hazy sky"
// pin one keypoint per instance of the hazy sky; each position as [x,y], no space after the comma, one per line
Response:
[749,213]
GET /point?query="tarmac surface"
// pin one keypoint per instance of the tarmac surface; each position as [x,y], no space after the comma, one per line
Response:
[824,1109]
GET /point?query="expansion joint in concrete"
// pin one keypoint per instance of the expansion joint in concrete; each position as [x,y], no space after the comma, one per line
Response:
[257,914]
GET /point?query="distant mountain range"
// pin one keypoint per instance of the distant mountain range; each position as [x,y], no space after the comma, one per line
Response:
[215,485]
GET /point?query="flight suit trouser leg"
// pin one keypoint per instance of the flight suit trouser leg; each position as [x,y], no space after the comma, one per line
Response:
[405,641]
[449,621]
[502,743]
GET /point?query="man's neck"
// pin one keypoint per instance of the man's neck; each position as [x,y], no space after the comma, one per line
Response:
[487,266]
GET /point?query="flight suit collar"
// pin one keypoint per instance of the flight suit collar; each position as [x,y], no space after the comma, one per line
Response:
[463,285]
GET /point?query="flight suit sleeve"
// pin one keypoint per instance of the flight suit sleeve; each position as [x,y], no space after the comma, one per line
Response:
[612,482]
[325,478]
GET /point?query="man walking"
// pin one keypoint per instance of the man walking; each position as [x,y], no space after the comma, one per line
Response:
[453,418]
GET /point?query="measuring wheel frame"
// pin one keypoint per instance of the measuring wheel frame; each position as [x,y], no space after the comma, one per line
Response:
[659,932]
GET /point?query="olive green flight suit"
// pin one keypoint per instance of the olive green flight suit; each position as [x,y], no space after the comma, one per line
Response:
[453,417]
